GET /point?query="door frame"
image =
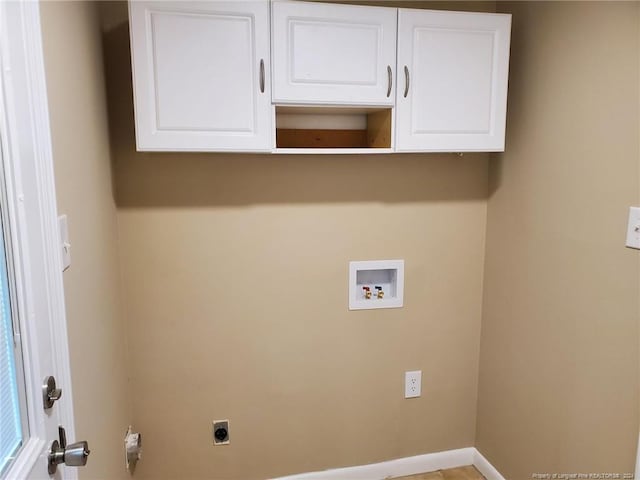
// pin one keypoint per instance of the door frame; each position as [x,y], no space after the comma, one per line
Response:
[636,474]
[28,159]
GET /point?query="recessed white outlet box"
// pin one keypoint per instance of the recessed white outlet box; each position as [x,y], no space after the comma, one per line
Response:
[412,384]
[133,448]
[376,284]
[633,228]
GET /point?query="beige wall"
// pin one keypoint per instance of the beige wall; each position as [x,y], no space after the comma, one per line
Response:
[235,277]
[75,83]
[559,358]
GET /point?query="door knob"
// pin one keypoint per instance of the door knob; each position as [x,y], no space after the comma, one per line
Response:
[74,455]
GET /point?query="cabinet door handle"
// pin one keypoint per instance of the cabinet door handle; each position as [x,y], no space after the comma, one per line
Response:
[261,75]
[390,75]
[406,81]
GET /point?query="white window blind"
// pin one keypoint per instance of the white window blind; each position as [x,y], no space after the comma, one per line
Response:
[10,416]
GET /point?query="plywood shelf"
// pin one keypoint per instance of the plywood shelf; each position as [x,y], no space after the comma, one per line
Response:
[320,138]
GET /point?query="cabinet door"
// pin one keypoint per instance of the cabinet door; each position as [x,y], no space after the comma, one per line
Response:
[452,90]
[199,75]
[333,54]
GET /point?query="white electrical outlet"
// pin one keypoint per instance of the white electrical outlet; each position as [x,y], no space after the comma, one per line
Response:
[633,228]
[412,384]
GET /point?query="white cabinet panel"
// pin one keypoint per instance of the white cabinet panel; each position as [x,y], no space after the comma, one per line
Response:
[452,93]
[333,54]
[200,79]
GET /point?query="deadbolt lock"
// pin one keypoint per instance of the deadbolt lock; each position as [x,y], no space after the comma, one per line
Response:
[49,392]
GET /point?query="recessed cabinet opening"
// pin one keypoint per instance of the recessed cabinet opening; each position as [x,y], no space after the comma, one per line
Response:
[333,127]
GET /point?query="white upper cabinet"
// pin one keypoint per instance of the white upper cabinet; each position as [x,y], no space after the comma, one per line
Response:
[333,54]
[208,76]
[452,85]
[201,75]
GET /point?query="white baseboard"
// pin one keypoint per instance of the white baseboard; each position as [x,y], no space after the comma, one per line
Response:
[485,468]
[407,466]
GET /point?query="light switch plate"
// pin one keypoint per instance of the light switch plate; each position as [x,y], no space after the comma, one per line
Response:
[65,246]
[633,228]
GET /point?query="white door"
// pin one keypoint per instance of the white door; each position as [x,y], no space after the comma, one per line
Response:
[33,337]
[200,75]
[452,90]
[333,54]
